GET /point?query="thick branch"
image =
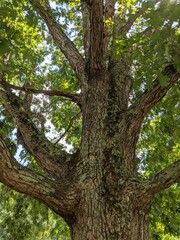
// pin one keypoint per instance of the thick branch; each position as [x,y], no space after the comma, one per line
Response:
[85,8]
[48,157]
[153,96]
[96,36]
[64,43]
[164,178]
[74,97]
[135,115]
[59,197]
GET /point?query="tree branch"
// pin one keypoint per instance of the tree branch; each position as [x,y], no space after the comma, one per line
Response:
[153,96]
[164,178]
[96,36]
[85,8]
[74,97]
[64,43]
[50,158]
[136,113]
[60,197]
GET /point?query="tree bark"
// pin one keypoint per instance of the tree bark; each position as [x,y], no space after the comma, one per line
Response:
[104,216]
[112,204]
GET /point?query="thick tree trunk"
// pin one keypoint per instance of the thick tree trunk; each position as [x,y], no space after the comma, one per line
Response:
[110,205]
[101,218]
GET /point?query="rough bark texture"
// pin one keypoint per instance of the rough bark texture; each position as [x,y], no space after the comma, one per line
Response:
[110,205]
[95,190]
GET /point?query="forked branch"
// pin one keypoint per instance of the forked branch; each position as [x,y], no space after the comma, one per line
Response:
[15,175]
[60,197]
[137,112]
[125,28]
[52,161]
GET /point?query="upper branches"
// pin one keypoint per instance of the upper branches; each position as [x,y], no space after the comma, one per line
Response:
[126,27]
[64,43]
[74,97]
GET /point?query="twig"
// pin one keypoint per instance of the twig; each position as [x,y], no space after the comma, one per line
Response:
[69,126]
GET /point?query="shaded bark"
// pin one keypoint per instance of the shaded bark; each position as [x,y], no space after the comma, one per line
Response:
[109,10]
[85,9]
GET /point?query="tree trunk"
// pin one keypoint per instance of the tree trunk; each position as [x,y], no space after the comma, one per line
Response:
[104,218]
[110,206]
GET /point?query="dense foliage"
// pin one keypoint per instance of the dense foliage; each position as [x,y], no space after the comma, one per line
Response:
[29,58]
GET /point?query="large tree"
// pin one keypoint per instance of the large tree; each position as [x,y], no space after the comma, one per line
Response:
[98,72]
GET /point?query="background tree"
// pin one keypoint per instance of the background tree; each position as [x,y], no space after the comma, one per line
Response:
[95,75]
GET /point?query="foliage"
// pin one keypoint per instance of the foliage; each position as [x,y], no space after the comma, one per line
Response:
[165,215]
[160,142]
[24,218]
[160,136]
[34,59]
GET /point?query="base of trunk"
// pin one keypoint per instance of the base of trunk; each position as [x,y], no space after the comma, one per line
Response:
[111,220]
